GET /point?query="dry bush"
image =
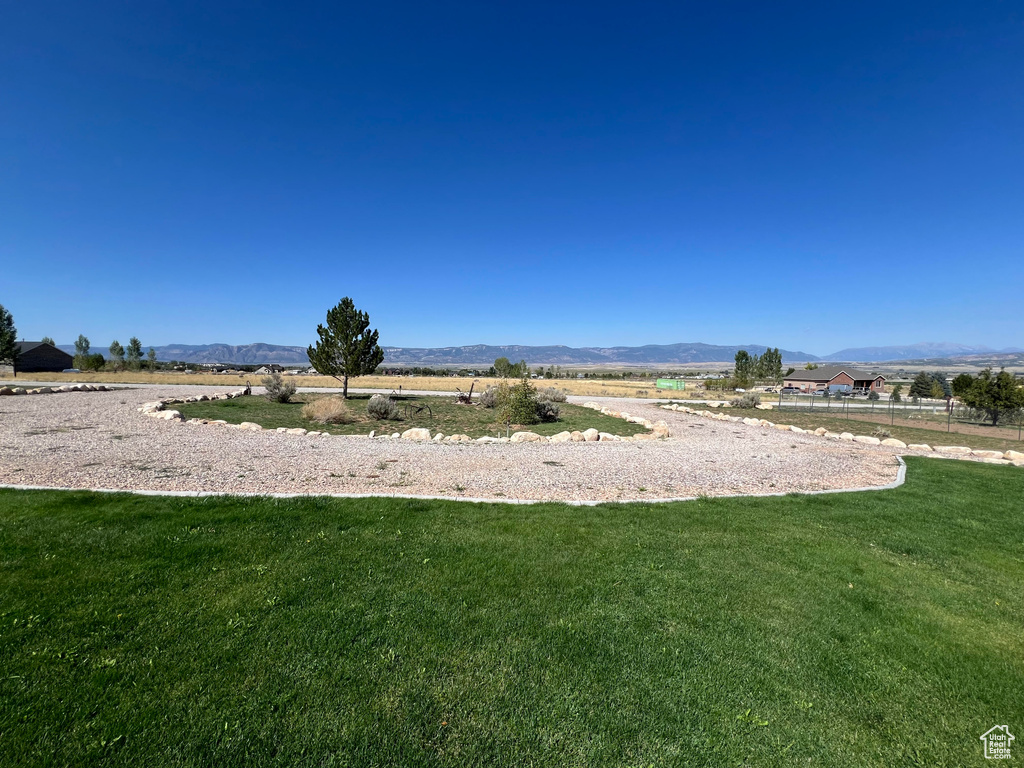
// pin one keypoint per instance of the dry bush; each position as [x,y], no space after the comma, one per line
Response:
[383,408]
[747,400]
[551,395]
[327,410]
[278,390]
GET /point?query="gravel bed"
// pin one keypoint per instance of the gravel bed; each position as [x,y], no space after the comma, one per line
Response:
[99,440]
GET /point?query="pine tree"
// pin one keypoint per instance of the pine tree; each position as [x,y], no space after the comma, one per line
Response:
[962,384]
[921,386]
[152,359]
[347,346]
[997,395]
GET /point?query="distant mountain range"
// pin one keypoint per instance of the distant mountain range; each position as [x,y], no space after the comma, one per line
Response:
[924,350]
[484,354]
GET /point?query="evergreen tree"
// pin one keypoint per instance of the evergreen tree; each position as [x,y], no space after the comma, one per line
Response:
[8,340]
[897,394]
[998,395]
[347,345]
[134,353]
[921,386]
[962,384]
[152,359]
[48,340]
[945,390]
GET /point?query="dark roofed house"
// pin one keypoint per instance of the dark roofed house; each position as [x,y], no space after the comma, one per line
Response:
[835,378]
[40,357]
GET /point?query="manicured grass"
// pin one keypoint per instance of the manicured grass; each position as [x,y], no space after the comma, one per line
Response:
[928,432]
[868,629]
[447,417]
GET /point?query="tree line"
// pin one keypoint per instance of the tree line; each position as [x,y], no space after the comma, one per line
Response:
[119,358]
[750,368]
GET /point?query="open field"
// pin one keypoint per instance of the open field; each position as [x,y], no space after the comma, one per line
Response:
[931,432]
[870,629]
[444,416]
[583,387]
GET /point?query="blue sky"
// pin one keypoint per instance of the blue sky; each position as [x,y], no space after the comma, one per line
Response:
[812,176]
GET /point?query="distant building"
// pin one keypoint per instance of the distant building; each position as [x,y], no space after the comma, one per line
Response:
[835,379]
[267,369]
[40,357]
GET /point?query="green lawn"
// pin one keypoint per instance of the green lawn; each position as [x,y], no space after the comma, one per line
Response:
[882,629]
[443,416]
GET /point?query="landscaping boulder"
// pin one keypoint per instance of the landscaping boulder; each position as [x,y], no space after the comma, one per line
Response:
[250,425]
[561,437]
[525,437]
[988,454]
[953,450]
[607,437]
[847,436]
[416,433]
[591,435]
[295,431]
[660,429]
[892,442]
[6,391]
[577,437]
[867,440]
[920,447]
[1014,455]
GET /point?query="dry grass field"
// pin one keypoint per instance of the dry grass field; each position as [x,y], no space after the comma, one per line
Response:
[583,387]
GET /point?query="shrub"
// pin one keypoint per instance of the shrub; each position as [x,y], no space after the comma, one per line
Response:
[881,433]
[518,403]
[872,395]
[278,390]
[327,410]
[489,397]
[547,411]
[748,400]
[383,408]
[551,395]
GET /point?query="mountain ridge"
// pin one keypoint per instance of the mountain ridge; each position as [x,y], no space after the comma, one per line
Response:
[555,354]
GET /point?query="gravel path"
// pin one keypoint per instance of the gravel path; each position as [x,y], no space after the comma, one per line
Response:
[99,440]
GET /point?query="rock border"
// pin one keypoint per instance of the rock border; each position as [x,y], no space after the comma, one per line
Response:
[1009,458]
[158,410]
[56,390]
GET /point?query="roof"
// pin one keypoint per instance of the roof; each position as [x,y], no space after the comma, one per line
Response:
[28,346]
[829,372]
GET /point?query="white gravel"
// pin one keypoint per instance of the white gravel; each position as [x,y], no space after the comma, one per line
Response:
[99,440]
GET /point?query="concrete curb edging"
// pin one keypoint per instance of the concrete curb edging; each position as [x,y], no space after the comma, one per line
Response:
[901,477]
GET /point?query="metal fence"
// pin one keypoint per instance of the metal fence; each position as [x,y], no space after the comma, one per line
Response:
[934,411]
